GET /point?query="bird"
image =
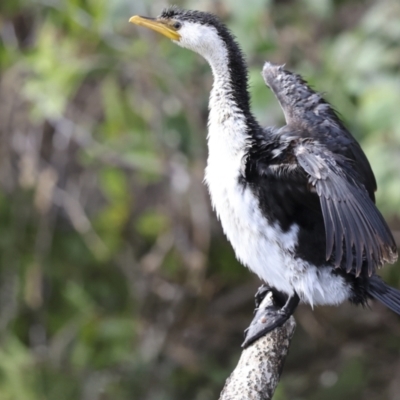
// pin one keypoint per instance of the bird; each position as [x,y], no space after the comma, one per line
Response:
[296,202]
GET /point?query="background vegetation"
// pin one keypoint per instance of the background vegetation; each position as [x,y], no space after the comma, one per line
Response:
[115,279]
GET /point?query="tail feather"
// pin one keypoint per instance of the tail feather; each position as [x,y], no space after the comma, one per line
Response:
[387,295]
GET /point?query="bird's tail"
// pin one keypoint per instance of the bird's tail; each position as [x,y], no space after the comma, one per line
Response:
[387,295]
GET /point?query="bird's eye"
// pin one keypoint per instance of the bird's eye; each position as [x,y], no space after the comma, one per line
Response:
[177,25]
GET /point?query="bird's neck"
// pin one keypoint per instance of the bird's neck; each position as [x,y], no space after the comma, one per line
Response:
[230,115]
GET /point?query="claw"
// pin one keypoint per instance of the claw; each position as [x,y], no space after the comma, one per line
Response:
[260,295]
[269,317]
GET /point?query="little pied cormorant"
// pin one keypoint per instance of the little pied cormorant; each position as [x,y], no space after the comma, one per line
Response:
[296,203]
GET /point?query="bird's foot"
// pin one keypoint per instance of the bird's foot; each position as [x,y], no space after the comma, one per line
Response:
[262,291]
[268,316]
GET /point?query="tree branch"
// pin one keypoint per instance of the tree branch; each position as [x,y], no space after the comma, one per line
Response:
[260,366]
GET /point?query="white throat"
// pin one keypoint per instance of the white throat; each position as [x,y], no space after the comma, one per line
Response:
[226,123]
[226,119]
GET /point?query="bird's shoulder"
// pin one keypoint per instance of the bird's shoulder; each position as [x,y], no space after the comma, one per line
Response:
[276,151]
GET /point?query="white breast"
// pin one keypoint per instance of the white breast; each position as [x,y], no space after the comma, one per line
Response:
[262,247]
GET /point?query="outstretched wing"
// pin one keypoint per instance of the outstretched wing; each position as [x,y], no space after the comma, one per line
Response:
[354,227]
[337,170]
[308,112]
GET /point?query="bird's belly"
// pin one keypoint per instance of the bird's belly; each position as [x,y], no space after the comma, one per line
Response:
[261,245]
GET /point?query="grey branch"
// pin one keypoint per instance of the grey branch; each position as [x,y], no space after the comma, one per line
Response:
[258,371]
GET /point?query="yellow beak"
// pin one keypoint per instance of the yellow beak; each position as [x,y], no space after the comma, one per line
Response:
[156,25]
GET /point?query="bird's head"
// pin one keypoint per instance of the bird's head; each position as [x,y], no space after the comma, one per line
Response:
[195,30]
[206,35]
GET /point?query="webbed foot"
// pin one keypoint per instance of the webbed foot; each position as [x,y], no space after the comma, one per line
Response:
[262,291]
[269,316]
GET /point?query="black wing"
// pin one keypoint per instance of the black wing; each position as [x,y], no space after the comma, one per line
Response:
[354,227]
[307,111]
[339,172]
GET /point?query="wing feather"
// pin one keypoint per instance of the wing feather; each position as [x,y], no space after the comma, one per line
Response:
[330,231]
[356,233]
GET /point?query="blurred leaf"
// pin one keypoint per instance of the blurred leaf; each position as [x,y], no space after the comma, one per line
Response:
[151,224]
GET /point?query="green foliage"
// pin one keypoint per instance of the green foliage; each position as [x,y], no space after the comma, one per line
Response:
[116,280]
